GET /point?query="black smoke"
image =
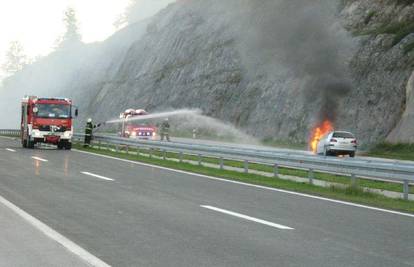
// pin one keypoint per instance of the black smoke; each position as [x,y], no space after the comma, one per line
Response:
[305,37]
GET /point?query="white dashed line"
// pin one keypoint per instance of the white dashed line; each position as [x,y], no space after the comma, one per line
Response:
[341,202]
[40,159]
[245,217]
[98,176]
[10,150]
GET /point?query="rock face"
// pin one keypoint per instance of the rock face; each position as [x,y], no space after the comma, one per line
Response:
[404,132]
[204,54]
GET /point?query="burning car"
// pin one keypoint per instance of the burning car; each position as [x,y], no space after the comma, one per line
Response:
[337,143]
[133,126]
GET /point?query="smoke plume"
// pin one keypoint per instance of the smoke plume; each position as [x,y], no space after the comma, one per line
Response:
[305,38]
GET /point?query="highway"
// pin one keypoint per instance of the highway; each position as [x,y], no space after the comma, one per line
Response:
[131,214]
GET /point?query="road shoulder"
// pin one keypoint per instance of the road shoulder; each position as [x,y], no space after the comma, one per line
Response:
[21,244]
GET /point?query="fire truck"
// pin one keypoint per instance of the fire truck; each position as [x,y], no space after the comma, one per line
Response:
[131,128]
[47,120]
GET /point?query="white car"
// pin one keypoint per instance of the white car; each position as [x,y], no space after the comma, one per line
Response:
[337,143]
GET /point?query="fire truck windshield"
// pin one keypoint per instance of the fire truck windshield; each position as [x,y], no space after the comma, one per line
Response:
[59,111]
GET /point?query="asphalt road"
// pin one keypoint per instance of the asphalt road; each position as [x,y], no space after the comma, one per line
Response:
[130,214]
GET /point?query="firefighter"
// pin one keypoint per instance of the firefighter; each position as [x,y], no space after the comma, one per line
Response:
[165,130]
[88,132]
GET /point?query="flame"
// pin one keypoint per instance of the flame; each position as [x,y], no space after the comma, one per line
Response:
[318,132]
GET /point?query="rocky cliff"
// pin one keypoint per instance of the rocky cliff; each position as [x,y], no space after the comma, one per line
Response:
[273,68]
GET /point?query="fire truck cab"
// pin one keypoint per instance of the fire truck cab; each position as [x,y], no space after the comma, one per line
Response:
[130,128]
[47,120]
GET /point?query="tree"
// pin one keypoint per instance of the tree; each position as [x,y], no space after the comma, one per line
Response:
[15,58]
[71,36]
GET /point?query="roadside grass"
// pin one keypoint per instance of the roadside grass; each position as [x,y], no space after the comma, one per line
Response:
[393,151]
[346,194]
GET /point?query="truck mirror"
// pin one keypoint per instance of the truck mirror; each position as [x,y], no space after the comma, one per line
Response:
[76,112]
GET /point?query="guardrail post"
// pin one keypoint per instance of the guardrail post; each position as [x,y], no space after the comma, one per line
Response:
[353,181]
[406,189]
[150,153]
[138,152]
[127,149]
[221,163]
[99,145]
[117,148]
[200,159]
[311,176]
[246,166]
[181,157]
[164,154]
[276,170]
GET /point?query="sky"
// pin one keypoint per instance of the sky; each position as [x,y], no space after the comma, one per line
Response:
[37,24]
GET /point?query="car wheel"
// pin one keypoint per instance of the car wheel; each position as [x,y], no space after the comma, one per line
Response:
[352,154]
[326,152]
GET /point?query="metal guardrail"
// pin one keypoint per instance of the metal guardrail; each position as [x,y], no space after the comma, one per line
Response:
[10,132]
[375,170]
[390,171]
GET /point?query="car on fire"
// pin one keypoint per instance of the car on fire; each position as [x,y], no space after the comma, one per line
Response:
[336,143]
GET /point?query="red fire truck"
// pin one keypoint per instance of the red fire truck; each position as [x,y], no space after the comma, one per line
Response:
[131,128]
[47,120]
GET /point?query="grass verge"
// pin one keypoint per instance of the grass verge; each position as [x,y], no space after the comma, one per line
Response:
[354,195]
[393,151]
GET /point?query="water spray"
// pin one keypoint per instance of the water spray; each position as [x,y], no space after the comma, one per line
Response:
[180,112]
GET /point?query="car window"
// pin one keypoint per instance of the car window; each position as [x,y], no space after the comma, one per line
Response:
[325,136]
[343,135]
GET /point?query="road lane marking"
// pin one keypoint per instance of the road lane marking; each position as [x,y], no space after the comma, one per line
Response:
[10,150]
[52,234]
[98,176]
[40,159]
[248,218]
[252,185]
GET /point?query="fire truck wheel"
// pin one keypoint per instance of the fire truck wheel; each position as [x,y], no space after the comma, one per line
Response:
[24,143]
[30,144]
[60,146]
[68,146]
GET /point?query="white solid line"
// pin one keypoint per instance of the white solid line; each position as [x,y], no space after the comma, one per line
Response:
[253,185]
[242,216]
[40,159]
[98,176]
[10,150]
[52,234]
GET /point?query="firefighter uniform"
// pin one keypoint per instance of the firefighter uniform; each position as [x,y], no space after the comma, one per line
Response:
[165,130]
[88,132]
